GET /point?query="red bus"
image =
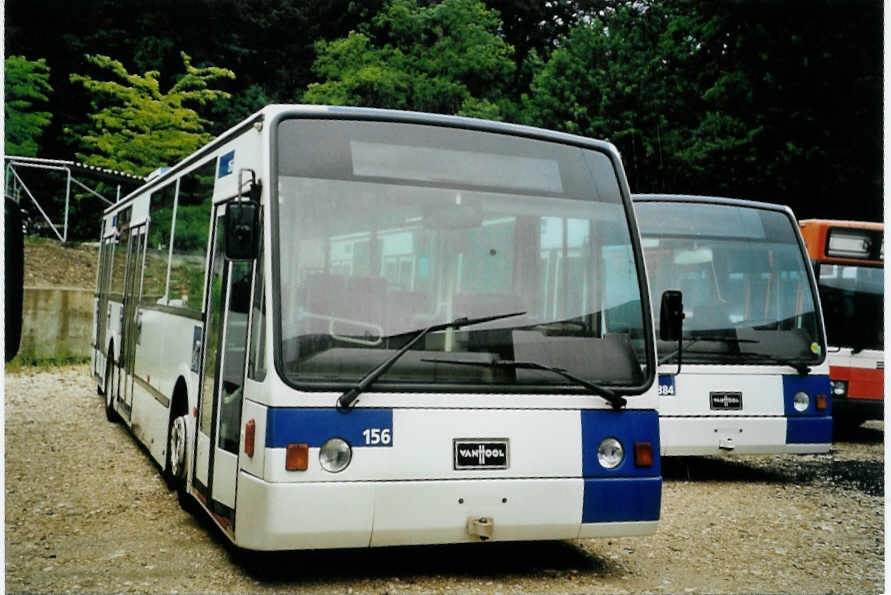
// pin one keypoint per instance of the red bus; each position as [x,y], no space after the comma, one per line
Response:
[849,264]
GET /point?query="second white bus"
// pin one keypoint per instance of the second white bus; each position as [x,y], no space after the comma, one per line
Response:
[753,373]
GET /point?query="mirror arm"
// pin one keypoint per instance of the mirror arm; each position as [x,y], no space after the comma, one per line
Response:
[680,347]
[253,191]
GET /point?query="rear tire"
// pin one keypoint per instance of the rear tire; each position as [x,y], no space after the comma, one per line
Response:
[110,413]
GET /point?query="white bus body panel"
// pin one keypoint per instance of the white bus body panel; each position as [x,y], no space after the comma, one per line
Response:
[329,515]
[542,444]
[867,359]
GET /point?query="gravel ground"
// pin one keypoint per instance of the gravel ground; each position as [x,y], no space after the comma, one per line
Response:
[87,511]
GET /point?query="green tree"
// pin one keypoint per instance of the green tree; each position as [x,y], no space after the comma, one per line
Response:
[27,89]
[136,127]
[447,57]
[634,75]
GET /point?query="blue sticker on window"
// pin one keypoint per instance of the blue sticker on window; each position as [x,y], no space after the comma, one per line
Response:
[227,163]
[666,385]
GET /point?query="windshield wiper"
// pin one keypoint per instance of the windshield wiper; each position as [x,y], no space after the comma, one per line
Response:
[802,369]
[615,400]
[692,340]
[346,400]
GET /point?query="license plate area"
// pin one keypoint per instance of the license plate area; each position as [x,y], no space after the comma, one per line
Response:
[480,453]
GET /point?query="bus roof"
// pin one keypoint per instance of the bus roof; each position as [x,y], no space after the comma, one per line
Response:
[272,114]
[714,200]
[844,242]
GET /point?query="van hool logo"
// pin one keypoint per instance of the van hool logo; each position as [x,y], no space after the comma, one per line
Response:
[488,453]
[726,401]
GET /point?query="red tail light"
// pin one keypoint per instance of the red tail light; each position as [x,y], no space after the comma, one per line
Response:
[643,454]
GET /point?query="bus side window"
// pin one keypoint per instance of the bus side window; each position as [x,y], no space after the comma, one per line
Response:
[154,283]
[257,354]
[190,234]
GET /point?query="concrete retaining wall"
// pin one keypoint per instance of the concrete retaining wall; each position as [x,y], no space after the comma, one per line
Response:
[57,323]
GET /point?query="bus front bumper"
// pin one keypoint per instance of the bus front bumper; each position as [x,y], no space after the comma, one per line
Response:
[715,435]
[285,516]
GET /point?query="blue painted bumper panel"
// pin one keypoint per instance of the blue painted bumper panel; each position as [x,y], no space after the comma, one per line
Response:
[809,430]
[628,492]
[622,499]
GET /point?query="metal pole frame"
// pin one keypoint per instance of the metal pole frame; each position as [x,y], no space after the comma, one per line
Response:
[17,181]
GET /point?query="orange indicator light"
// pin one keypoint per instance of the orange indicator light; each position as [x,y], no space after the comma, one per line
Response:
[821,403]
[297,457]
[250,429]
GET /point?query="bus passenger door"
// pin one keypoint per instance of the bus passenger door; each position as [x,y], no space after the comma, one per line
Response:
[129,324]
[102,288]
[219,415]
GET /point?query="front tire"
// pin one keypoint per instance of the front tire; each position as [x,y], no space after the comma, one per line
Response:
[177,440]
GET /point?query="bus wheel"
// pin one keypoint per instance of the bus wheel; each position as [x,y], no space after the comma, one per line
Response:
[110,413]
[176,457]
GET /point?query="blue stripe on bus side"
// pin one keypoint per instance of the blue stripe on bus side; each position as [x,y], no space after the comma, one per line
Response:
[809,430]
[622,499]
[288,425]
[628,427]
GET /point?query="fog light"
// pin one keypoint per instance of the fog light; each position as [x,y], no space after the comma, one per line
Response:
[610,453]
[800,401]
[821,403]
[335,455]
[839,388]
[643,454]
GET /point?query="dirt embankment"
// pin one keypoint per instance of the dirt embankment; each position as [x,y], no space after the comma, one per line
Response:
[50,263]
[87,512]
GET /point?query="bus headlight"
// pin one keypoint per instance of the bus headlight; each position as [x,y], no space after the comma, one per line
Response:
[610,453]
[800,401]
[839,388]
[335,455]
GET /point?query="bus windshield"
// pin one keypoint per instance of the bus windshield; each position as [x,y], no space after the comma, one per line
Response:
[747,294]
[385,229]
[850,295]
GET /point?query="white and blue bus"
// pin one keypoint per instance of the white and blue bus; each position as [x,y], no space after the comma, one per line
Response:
[344,327]
[753,373]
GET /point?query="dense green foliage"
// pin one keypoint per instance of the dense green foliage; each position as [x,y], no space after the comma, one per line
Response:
[777,101]
[136,126]
[27,92]
[443,58]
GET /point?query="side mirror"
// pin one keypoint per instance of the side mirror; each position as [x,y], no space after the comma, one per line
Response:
[671,316]
[242,227]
